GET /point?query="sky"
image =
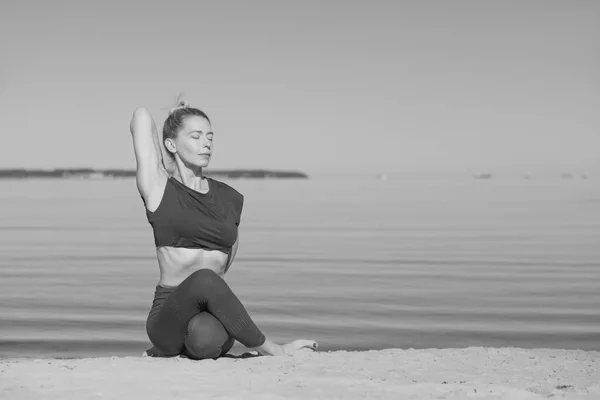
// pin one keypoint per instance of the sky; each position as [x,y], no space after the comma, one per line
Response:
[314,86]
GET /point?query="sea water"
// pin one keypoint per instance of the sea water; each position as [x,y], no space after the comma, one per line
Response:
[353,262]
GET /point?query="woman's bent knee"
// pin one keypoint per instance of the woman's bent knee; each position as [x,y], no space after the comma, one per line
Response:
[208,283]
[206,338]
[202,352]
[204,276]
[204,273]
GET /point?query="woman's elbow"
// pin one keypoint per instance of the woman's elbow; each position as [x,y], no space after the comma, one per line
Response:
[140,121]
[140,112]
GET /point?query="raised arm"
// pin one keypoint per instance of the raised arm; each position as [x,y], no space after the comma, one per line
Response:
[151,176]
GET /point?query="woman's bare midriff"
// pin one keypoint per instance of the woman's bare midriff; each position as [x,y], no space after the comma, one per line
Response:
[177,263]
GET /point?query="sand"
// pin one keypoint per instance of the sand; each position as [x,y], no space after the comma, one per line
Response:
[471,373]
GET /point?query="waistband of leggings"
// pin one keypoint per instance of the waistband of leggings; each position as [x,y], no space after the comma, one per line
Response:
[164,289]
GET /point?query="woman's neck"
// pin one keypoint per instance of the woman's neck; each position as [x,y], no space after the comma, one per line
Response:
[191,177]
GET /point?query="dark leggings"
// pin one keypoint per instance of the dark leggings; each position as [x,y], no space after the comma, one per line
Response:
[200,318]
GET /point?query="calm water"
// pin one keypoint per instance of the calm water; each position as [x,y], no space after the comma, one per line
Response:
[352,263]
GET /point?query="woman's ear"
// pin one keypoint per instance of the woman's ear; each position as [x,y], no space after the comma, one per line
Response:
[170,145]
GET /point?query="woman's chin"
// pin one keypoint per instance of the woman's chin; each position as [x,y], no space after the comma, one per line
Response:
[203,162]
[198,163]
[195,164]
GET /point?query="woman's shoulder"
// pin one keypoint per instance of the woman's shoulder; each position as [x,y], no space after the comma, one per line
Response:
[224,188]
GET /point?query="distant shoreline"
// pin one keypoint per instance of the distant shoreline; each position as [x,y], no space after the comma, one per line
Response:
[89,173]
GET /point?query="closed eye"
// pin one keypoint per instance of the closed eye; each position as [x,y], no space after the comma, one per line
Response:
[196,135]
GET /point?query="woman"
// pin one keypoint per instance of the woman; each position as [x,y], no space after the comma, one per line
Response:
[195,223]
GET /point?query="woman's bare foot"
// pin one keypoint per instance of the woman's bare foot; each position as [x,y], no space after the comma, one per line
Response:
[297,345]
[153,352]
[150,352]
[272,349]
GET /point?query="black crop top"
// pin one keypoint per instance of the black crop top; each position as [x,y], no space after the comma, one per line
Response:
[188,218]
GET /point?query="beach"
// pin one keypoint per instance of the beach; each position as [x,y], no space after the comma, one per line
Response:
[467,373]
[412,185]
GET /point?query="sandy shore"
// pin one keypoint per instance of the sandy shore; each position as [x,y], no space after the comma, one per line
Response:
[472,373]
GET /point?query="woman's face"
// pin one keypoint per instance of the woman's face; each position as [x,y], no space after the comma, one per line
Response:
[194,142]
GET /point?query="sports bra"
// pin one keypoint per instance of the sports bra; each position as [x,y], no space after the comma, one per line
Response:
[188,218]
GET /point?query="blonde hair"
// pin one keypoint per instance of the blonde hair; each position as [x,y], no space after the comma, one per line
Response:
[177,116]
[180,105]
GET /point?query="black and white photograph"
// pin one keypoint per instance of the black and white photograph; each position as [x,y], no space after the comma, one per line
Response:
[300,200]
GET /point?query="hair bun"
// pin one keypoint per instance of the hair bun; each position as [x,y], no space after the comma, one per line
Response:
[182,104]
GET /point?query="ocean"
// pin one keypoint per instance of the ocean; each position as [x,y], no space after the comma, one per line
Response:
[353,262]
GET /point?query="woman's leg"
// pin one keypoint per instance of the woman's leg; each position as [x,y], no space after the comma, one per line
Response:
[207,338]
[202,291]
